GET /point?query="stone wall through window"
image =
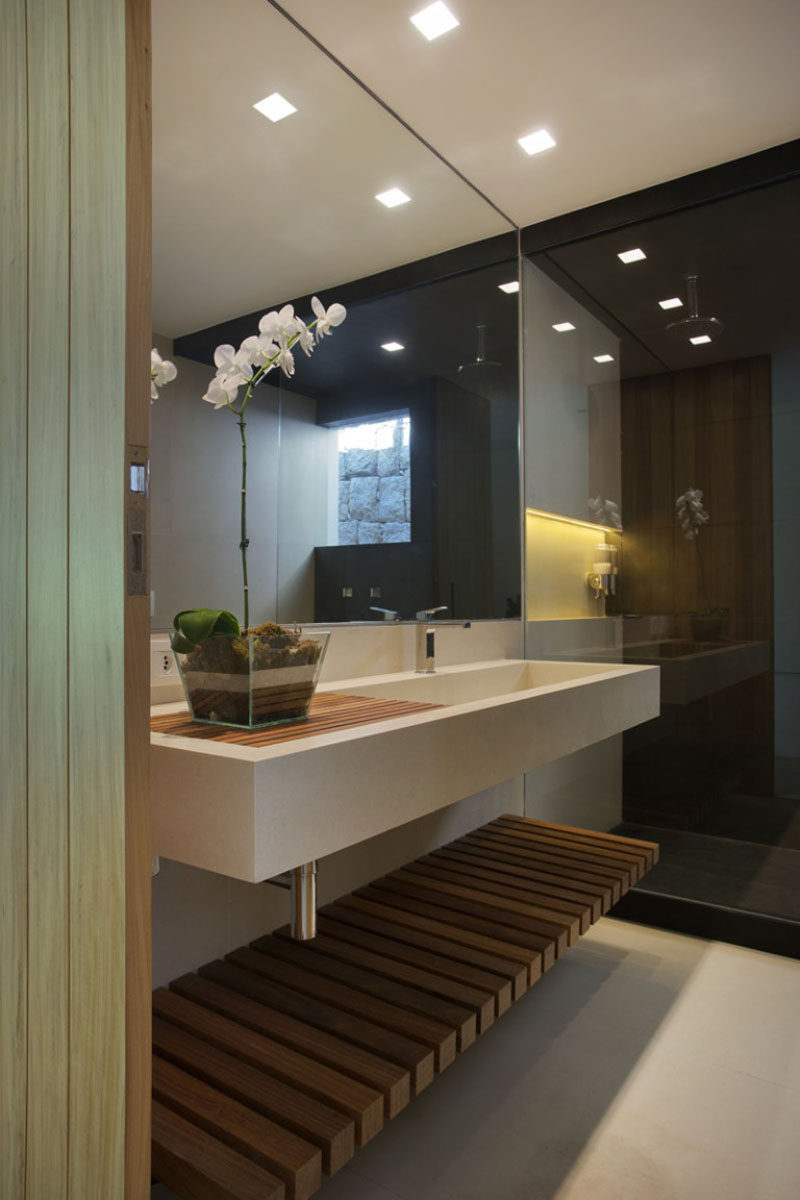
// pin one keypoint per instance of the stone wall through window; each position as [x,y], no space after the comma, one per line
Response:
[375,482]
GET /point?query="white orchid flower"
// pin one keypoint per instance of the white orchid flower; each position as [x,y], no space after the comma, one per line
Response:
[691,513]
[304,336]
[216,394]
[285,361]
[249,349]
[327,320]
[224,388]
[233,362]
[266,350]
[606,511]
[161,371]
[277,325]
[268,325]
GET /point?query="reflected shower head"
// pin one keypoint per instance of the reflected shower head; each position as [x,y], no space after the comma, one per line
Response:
[480,359]
[694,325]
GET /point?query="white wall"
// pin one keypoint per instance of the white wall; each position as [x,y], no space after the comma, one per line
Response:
[572,453]
[303,499]
[195,488]
[571,403]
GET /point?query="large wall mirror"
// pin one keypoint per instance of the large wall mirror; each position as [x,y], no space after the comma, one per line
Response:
[378,478]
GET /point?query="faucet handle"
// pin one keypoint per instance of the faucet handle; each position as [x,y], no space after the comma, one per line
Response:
[425,614]
[389,614]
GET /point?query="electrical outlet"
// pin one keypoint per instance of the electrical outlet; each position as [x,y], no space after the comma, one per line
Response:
[162,665]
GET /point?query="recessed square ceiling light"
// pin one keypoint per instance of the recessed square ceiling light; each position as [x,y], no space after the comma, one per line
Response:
[673,302]
[629,256]
[510,287]
[392,347]
[534,143]
[701,340]
[604,358]
[563,327]
[393,197]
[275,107]
[435,20]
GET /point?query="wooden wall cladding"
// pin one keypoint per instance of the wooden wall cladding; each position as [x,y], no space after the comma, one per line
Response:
[62,810]
[13,592]
[138,840]
[708,427]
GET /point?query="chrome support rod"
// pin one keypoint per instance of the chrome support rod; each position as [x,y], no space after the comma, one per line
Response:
[304,902]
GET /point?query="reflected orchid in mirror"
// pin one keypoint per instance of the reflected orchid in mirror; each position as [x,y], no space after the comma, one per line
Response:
[691,513]
[606,512]
[278,332]
[693,516]
[162,371]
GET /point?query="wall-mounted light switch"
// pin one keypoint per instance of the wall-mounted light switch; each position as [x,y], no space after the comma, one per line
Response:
[347,593]
[374,593]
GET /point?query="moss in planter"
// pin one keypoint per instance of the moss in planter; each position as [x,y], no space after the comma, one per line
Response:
[273,647]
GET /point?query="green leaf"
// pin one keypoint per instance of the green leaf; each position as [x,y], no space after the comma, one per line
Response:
[226,624]
[180,645]
[194,625]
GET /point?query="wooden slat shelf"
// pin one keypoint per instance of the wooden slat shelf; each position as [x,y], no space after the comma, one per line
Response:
[272,1066]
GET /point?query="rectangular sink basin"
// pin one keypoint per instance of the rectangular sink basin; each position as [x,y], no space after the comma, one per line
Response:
[460,685]
[691,670]
[252,813]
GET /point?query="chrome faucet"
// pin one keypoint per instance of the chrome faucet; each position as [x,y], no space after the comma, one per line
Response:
[426,653]
[389,614]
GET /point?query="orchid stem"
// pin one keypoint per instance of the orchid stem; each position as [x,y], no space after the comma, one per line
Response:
[243,543]
[703,592]
[239,412]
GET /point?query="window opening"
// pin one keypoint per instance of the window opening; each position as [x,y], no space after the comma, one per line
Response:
[375,481]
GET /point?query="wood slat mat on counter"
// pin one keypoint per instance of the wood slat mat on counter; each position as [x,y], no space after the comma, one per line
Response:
[330,712]
[275,1064]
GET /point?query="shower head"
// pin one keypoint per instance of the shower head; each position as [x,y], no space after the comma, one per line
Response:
[480,359]
[694,325]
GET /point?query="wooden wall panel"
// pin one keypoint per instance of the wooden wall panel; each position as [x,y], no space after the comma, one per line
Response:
[48,763]
[710,428]
[648,497]
[137,617]
[723,444]
[62,795]
[707,427]
[13,717]
[96,582]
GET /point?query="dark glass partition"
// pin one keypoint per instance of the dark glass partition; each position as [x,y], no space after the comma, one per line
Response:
[708,322]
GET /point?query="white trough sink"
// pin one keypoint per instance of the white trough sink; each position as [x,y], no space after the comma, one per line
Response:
[253,813]
[473,681]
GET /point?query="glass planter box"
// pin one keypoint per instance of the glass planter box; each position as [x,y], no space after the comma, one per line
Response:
[252,680]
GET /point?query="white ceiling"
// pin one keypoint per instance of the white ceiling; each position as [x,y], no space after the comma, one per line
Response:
[247,213]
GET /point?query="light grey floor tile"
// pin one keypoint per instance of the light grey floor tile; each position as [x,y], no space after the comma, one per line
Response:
[644,1066]
[740,1010]
[684,1130]
[350,1184]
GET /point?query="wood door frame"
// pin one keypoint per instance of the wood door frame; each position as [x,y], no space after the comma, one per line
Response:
[137,609]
